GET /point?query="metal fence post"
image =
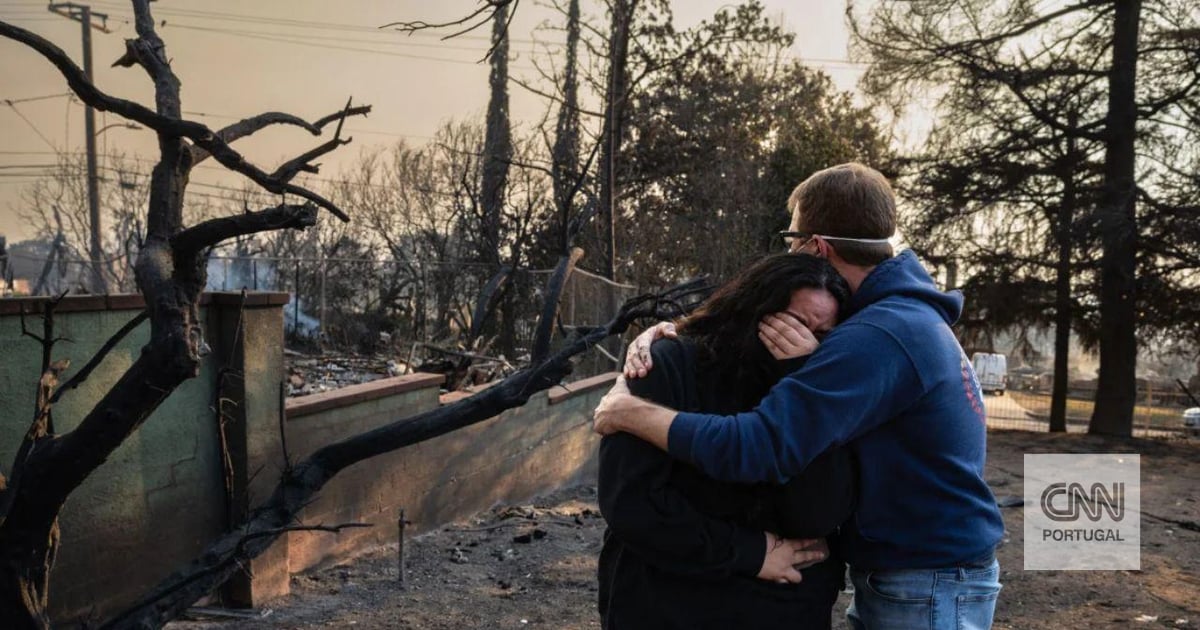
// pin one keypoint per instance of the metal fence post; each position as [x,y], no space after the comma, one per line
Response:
[296,300]
[324,273]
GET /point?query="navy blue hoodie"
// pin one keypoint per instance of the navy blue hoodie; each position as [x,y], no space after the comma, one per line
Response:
[894,384]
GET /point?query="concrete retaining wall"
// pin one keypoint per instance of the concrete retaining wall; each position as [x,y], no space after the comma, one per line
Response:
[160,498]
[544,445]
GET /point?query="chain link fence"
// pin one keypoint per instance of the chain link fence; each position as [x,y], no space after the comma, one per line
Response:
[1159,411]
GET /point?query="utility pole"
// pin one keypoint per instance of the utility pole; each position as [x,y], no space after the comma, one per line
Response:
[84,15]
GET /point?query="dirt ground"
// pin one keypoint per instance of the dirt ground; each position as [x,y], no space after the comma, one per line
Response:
[534,565]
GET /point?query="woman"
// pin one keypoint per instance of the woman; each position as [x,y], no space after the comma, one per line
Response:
[683,550]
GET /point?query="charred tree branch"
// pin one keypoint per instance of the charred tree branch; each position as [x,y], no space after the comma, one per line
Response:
[254,124]
[201,236]
[83,373]
[199,134]
[213,567]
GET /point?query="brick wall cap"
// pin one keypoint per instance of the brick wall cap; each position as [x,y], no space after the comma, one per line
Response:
[344,397]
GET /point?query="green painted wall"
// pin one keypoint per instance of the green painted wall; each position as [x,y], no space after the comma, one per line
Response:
[159,498]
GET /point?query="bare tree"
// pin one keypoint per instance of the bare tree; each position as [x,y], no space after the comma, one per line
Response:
[170,272]
[1141,57]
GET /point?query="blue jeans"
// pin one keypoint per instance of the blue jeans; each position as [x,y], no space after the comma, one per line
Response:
[920,599]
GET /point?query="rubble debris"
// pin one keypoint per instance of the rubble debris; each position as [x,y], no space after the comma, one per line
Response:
[314,374]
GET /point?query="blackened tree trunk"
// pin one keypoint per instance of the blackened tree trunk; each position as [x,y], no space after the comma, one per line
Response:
[565,153]
[1117,388]
[170,273]
[1062,312]
[615,93]
[497,156]
[1064,235]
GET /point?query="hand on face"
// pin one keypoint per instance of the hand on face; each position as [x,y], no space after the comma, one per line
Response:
[794,332]
[785,337]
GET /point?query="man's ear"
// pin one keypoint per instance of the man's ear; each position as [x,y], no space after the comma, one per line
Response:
[823,248]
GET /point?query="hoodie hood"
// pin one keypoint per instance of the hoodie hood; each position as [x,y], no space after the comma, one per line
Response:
[905,276]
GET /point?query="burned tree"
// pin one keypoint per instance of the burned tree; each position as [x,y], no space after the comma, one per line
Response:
[170,272]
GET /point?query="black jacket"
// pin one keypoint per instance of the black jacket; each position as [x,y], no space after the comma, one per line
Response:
[682,550]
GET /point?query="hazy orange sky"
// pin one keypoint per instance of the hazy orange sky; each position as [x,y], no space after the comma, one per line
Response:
[305,57]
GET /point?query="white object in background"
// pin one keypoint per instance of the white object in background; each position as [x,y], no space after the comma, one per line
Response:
[992,372]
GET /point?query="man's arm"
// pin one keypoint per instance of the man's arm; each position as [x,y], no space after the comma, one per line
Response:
[620,410]
[657,521]
[858,378]
[660,524]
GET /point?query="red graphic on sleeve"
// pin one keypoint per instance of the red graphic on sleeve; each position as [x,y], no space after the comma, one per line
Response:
[971,388]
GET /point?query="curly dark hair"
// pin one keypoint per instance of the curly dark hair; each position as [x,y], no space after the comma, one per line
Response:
[725,327]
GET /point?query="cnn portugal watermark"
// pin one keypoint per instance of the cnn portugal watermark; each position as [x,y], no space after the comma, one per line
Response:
[1083,512]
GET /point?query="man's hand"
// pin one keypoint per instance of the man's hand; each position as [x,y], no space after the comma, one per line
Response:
[620,410]
[606,419]
[785,337]
[637,358]
[785,557]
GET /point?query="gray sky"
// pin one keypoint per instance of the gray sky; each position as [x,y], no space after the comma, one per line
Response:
[239,58]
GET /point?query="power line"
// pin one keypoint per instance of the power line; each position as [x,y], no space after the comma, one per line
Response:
[32,126]
[328,26]
[333,38]
[285,39]
[308,24]
[30,99]
[52,170]
[344,27]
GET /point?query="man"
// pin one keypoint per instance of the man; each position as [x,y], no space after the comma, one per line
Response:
[894,384]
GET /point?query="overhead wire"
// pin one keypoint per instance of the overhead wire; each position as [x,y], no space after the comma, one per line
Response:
[31,99]
[297,23]
[290,38]
[286,39]
[31,125]
[358,28]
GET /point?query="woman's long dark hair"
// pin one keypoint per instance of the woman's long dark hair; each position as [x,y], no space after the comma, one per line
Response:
[725,327]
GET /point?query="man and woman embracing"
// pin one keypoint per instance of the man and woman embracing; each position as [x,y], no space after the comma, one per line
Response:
[816,411]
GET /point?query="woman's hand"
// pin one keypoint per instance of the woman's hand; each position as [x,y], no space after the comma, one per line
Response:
[785,337]
[637,358]
[786,556]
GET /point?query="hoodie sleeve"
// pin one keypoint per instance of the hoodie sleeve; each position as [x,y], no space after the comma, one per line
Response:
[649,514]
[856,380]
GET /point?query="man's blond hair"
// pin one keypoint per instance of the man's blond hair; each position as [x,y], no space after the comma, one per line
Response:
[849,201]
